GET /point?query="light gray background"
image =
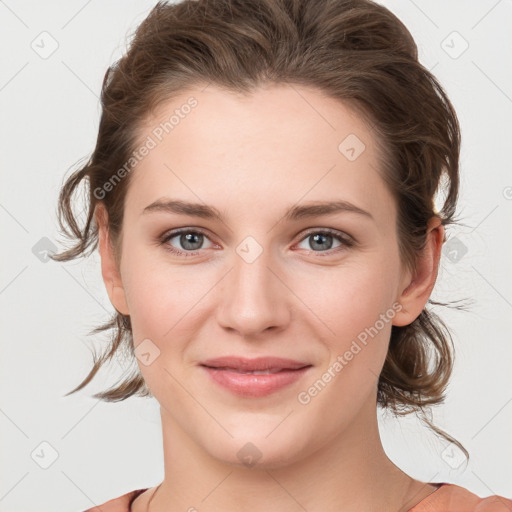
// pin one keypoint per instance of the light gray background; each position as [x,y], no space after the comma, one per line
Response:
[49,116]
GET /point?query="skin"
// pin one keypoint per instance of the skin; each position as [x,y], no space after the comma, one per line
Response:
[252,157]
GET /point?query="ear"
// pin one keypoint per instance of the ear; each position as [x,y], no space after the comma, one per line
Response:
[419,288]
[109,269]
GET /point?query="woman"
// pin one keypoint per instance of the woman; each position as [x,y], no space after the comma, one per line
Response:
[263,193]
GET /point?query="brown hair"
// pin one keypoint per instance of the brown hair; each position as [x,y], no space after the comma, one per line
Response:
[356,51]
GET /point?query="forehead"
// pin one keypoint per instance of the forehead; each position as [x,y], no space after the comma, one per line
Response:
[278,144]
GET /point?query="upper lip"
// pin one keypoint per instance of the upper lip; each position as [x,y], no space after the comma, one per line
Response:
[259,363]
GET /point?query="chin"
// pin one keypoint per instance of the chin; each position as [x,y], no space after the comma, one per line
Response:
[258,451]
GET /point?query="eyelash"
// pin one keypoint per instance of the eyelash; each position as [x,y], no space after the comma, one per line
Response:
[344,239]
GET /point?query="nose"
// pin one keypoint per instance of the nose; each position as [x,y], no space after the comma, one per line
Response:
[253,298]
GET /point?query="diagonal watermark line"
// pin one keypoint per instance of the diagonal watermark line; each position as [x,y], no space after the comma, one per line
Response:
[92,501]
[76,14]
[493,287]
[492,81]
[207,85]
[429,482]
[492,492]
[13,279]
[280,423]
[485,15]
[424,14]
[302,301]
[492,211]
[199,403]
[286,490]
[85,289]
[187,312]
[503,407]
[80,419]
[14,423]
[14,76]
[216,487]
[311,105]
[13,13]
[80,79]
[14,218]
[411,502]
[14,485]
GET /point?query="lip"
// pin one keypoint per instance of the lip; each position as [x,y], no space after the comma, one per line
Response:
[259,363]
[228,373]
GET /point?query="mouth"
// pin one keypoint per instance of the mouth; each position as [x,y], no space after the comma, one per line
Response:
[254,377]
[257,366]
[250,372]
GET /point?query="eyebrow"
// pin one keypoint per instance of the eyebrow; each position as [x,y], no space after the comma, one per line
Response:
[312,209]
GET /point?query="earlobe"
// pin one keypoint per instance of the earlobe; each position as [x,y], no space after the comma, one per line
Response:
[417,292]
[109,269]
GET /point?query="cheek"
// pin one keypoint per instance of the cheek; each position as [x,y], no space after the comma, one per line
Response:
[163,303]
[356,305]
[347,381]
[158,293]
[352,297]
[165,307]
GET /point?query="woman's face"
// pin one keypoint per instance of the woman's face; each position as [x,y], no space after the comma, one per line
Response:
[272,277]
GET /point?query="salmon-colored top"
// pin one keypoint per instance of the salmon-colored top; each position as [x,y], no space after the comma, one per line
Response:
[446,498]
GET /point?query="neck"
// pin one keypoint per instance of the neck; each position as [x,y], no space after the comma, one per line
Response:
[351,472]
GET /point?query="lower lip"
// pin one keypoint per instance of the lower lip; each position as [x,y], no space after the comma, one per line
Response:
[253,385]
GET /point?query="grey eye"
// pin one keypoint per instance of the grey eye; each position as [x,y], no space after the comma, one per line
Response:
[321,241]
[187,240]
